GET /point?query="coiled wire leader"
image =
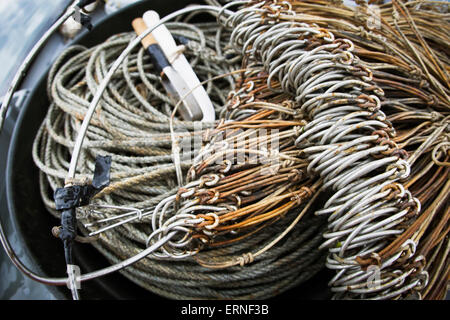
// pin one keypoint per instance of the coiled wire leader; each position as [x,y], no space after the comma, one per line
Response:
[347,142]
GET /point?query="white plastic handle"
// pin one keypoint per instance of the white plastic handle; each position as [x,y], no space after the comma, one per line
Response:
[180,64]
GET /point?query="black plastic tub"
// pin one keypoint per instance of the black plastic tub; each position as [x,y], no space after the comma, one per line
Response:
[34,223]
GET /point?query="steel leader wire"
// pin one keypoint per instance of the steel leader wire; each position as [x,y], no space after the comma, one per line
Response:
[347,144]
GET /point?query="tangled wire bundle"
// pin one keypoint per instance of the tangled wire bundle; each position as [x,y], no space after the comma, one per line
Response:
[405,45]
[309,114]
[372,217]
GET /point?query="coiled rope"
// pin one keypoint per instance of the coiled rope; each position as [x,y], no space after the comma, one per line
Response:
[132,126]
